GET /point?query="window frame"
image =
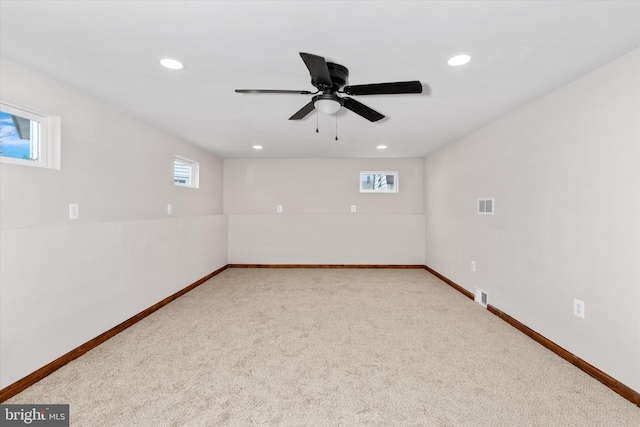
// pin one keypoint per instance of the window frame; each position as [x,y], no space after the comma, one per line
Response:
[48,144]
[194,174]
[483,201]
[396,183]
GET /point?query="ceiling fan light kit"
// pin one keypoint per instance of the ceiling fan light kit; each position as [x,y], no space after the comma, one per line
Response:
[330,79]
[327,104]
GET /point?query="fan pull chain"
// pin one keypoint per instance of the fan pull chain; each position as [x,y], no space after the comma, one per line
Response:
[336,125]
[317,121]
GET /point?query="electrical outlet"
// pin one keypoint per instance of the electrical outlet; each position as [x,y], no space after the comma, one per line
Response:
[353,208]
[279,209]
[473,266]
[578,308]
[74,211]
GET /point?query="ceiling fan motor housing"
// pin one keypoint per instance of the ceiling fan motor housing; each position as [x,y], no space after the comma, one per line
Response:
[339,75]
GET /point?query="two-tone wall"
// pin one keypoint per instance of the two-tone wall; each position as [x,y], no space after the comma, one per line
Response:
[63,281]
[316,225]
[564,171]
[565,174]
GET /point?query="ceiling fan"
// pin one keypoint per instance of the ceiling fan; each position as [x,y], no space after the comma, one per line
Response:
[330,79]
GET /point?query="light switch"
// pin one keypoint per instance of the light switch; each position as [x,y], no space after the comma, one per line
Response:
[169,209]
[74,211]
[279,208]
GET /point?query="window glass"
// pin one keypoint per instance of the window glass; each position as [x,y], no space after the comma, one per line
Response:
[185,172]
[29,138]
[379,182]
[19,137]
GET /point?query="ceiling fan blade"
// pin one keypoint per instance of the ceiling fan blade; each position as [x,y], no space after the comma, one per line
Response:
[301,92]
[384,88]
[302,113]
[318,69]
[361,109]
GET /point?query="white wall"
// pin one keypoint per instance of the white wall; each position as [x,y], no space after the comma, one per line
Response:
[316,225]
[326,239]
[62,281]
[565,172]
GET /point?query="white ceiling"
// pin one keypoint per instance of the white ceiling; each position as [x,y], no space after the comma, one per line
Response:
[521,49]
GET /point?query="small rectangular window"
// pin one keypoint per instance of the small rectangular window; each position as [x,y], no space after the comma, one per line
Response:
[185,172]
[486,206]
[378,182]
[29,138]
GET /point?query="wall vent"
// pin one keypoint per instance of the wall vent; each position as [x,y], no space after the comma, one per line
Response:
[487,206]
[481,297]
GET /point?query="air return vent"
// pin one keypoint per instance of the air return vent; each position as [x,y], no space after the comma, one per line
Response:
[481,297]
[486,206]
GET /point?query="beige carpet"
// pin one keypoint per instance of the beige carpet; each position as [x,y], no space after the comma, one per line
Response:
[327,347]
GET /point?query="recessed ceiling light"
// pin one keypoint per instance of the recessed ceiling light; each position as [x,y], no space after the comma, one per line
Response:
[257,147]
[459,60]
[381,147]
[172,64]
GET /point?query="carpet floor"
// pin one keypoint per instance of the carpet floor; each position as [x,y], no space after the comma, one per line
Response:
[326,347]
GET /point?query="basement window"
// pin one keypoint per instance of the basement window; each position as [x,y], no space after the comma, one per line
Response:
[185,172]
[378,182]
[29,138]
[486,206]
